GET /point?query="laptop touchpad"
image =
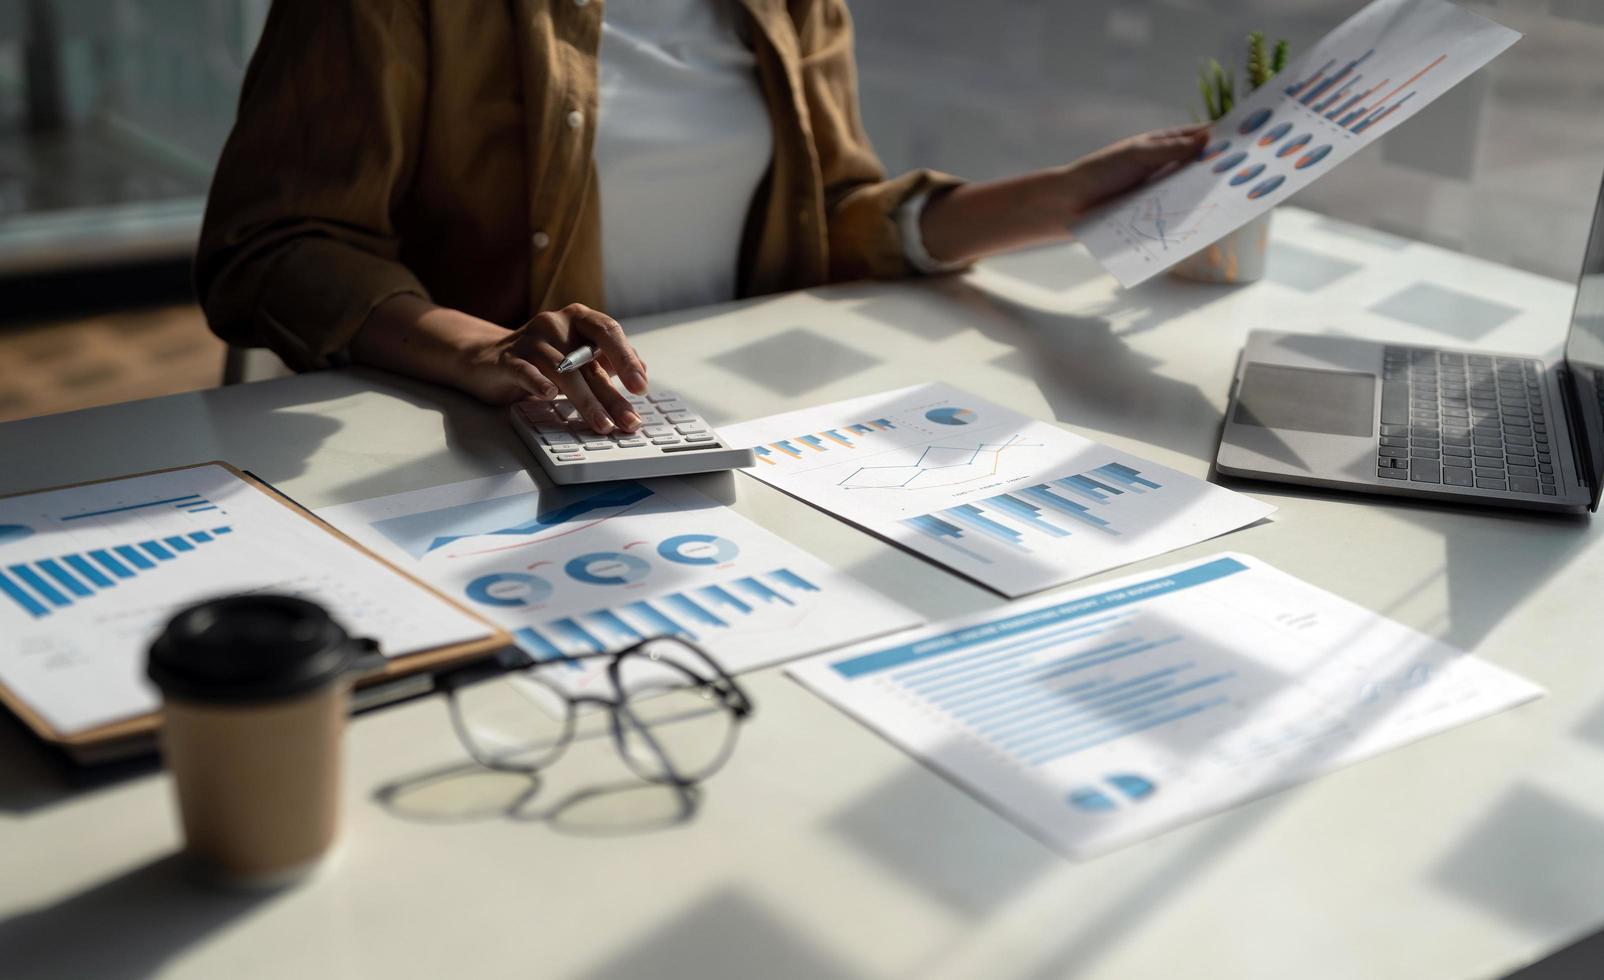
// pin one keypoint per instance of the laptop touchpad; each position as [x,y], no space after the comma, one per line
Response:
[1278,397]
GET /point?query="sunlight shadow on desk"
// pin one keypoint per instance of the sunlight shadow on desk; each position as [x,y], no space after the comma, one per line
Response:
[34,777]
[142,920]
[942,845]
[1536,837]
[794,362]
[727,935]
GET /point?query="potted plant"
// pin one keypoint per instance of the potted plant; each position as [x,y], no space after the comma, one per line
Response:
[1239,256]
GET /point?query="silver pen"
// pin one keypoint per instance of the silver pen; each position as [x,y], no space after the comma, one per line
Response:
[576,359]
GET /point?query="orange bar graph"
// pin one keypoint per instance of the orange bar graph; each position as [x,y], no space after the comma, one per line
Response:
[1416,77]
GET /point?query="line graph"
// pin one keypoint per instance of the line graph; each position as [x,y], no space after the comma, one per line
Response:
[937,466]
[1151,221]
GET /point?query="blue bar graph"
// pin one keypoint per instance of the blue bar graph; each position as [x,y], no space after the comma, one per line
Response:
[40,586]
[1030,515]
[693,614]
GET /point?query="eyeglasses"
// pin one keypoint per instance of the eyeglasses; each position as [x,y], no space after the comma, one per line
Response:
[673,712]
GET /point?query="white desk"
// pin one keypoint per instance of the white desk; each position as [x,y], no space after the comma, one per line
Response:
[821,851]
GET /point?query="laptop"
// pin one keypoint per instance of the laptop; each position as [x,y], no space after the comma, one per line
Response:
[1455,425]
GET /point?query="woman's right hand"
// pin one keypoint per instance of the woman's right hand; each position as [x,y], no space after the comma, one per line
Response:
[523,363]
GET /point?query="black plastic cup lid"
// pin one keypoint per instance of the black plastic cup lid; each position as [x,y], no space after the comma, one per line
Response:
[250,648]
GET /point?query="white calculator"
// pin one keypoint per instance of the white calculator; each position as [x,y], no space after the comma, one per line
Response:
[673,440]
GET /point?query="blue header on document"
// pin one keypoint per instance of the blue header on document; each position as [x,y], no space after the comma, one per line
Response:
[936,646]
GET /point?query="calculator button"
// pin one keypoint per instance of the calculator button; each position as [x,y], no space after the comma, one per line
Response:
[565,410]
[631,443]
[662,396]
[563,447]
[571,457]
[667,407]
[699,438]
[677,417]
[652,431]
[558,438]
[665,441]
[690,427]
[596,447]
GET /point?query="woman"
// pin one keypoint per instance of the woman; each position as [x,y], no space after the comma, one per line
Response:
[408,181]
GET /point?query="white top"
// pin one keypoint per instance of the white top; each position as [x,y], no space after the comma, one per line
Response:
[683,139]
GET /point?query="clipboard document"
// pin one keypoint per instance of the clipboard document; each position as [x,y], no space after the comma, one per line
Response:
[90,573]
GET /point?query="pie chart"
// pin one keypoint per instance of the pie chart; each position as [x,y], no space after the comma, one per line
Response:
[607,568]
[698,549]
[1313,157]
[1229,162]
[1246,174]
[14,532]
[948,415]
[509,589]
[1254,121]
[1266,186]
[1274,133]
[1293,145]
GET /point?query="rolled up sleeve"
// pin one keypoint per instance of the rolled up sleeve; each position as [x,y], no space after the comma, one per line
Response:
[864,239]
[299,242]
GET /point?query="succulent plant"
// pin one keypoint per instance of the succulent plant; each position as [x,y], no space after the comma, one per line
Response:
[1218,86]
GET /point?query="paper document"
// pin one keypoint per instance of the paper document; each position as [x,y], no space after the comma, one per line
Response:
[598,567]
[1381,66]
[1015,504]
[90,574]
[1102,716]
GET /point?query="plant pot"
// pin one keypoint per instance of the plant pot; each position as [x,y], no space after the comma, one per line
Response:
[1238,257]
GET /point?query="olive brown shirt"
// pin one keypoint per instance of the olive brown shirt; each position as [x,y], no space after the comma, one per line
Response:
[443,148]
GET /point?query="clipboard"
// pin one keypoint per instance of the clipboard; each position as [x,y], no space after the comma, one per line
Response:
[137,735]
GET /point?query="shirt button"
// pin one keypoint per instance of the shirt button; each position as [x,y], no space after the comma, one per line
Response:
[576,119]
[540,240]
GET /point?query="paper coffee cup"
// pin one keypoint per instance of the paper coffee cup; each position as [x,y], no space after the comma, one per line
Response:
[255,692]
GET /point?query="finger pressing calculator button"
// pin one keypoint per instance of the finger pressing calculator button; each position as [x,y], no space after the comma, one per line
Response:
[690,427]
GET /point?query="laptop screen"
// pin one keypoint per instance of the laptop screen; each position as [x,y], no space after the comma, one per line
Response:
[1584,356]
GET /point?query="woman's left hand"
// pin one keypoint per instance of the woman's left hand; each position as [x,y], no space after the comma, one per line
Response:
[1118,167]
[973,220]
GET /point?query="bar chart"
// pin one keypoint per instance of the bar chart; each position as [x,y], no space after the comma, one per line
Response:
[1345,98]
[1023,519]
[769,600]
[46,584]
[1099,716]
[845,437]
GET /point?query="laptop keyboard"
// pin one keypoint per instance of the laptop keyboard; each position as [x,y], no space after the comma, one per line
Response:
[1464,420]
